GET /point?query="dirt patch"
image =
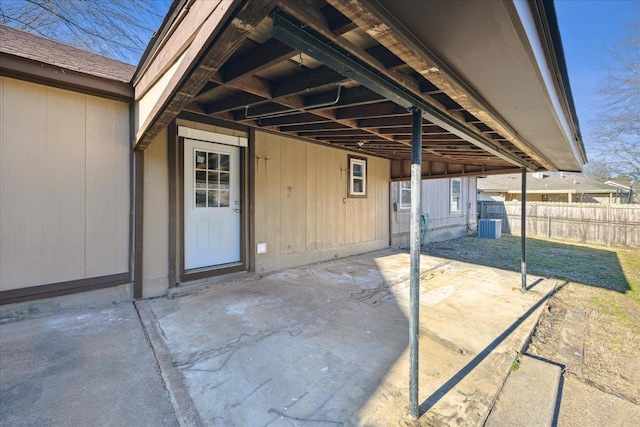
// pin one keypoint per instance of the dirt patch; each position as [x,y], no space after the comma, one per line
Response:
[608,345]
[591,324]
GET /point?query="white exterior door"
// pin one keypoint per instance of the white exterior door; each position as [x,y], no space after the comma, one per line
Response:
[211,204]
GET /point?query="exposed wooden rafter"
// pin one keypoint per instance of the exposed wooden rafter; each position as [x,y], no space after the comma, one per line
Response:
[384,29]
[246,77]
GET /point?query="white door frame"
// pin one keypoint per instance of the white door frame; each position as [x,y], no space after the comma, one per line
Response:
[201,137]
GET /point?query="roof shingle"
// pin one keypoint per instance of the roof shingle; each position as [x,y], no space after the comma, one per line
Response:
[40,49]
[550,182]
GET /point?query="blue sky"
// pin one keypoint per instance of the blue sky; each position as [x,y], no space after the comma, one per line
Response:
[589,30]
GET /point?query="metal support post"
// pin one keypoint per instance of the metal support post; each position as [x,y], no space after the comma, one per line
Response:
[523,230]
[414,279]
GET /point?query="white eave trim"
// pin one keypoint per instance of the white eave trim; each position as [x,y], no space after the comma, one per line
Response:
[546,71]
[217,138]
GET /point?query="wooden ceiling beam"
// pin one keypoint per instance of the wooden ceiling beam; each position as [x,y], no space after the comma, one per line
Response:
[349,97]
[298,118]
[234,102]
[335,133]
[346,138]
[325,76]
[262,57]
[306,81]
[400,121]
[336,21]
[282,106]
[374,110]
[317,127]
[254,85]
[427,130]
[391,35]
[191,76]
[408,82]
[209,86]
[238,72]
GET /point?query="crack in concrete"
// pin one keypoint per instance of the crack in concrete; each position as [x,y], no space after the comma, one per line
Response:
[229,349]
[304,420]
[241,401]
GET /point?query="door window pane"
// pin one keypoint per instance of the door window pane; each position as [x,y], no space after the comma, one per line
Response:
[213,161]
[224,180]
[224,198]
[212,199]
[212,179]
[201,179]
[201,160]
[224,162]
[201,199]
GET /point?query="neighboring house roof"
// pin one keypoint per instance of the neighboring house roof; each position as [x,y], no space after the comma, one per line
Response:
[548,183]
[40,49]
[625,185]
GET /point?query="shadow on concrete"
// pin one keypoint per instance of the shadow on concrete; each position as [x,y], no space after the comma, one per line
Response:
[462,373]
[534,284]
[305,345]
[558,403]
[328,343]
[588,265]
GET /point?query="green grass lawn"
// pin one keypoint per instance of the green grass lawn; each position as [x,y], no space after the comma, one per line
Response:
[604,267]
[630,263]
[601,282]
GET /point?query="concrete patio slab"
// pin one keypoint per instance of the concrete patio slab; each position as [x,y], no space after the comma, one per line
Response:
[530,395]
[328,343]
[81,368]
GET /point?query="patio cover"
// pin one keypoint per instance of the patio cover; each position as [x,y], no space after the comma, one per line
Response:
[489,78]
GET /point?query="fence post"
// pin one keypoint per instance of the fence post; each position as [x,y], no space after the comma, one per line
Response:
[609,224]
[548,227]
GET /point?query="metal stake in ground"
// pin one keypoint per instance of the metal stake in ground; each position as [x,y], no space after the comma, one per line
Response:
[414,278]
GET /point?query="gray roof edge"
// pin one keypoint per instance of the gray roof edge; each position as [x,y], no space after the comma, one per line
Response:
[43,50]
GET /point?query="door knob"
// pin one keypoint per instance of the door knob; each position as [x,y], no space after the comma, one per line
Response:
[237,210]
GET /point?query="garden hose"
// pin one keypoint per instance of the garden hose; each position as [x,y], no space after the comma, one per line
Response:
[424,228]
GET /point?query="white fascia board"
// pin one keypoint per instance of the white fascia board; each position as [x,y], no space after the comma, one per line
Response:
[546,71]
[145,103]
[218,138]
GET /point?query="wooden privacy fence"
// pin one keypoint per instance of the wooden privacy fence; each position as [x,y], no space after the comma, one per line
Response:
[604,224]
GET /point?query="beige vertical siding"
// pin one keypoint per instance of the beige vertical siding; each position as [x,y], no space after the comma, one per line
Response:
[108,160]
[64,185]
[436,203]
[299,204]
[156,218]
